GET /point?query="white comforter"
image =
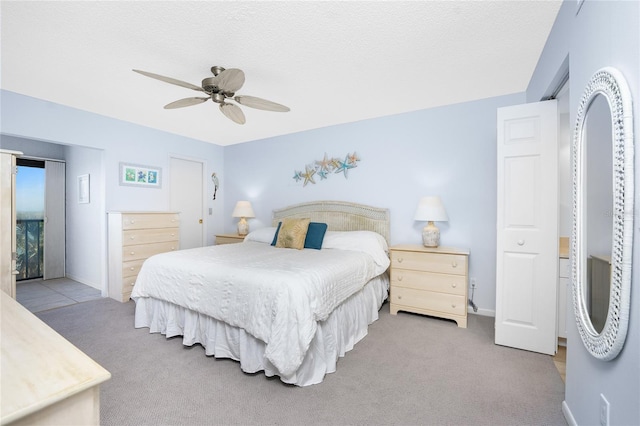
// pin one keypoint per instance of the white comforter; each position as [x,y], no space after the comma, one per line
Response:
[277,295]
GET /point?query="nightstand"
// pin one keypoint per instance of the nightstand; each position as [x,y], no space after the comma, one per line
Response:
[430,281]
[229,238]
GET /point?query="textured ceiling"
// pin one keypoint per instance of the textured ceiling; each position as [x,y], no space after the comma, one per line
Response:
[330,62]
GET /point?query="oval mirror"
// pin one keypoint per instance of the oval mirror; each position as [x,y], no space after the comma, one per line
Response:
[602,237]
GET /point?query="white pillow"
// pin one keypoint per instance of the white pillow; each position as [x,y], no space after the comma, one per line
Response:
[262,235]
[365,241]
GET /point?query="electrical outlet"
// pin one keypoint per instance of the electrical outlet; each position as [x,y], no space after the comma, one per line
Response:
[604,411]
[472,281]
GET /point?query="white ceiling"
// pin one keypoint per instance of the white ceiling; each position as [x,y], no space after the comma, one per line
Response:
[330,62]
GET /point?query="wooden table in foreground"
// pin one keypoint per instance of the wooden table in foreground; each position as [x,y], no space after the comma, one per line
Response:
[45,379]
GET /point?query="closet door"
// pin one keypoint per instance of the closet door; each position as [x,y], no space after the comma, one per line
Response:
[186,194]
[527,227]
[54,220]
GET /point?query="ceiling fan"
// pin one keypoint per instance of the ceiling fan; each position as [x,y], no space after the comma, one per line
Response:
[220,89]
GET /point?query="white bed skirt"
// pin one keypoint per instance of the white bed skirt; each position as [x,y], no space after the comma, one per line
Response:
[335,336]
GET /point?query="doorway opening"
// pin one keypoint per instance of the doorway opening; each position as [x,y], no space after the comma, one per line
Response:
[30,193]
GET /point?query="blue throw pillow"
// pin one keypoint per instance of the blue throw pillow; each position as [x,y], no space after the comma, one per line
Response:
[314,238]
[315,235]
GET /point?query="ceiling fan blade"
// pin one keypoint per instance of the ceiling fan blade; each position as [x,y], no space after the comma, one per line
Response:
[233,112]
[185,102]
[230,80]
[259,103]
[170,80]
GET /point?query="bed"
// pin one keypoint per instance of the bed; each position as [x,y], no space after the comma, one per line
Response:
[289,312]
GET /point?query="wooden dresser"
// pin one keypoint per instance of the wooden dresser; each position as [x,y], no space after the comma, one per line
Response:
[430,281]
[134,237]
[229,238]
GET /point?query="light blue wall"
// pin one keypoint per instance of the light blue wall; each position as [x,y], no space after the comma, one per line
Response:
[448,151]
[27,122]
[603,33]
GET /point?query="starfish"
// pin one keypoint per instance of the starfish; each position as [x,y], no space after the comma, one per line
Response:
[335,163]
[353,158]
[297,175]
[324,164]
[322,173]
[308,176]
[344,166]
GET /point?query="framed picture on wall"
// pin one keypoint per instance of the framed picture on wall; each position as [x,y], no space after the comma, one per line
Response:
[83,189]
[140,175]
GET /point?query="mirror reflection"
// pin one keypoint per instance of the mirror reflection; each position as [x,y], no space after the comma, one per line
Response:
[599,207]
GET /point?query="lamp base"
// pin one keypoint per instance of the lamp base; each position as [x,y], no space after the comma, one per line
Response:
[243,226]
[431,235]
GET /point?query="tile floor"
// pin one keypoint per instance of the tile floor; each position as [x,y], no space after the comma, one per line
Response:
[39,295]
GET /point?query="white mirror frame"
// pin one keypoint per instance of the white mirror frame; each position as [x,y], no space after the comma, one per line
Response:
[605,345]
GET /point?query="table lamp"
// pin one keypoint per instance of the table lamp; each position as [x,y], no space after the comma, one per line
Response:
[243,210]
[430,209]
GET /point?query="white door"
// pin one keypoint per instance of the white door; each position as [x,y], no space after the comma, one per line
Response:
[54,220]
[527,227]
[187,197]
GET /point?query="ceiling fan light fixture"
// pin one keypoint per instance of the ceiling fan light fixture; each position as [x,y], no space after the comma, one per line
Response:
[218,97]
[221,87]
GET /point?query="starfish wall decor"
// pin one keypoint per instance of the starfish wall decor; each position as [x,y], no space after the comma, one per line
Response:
[325,167]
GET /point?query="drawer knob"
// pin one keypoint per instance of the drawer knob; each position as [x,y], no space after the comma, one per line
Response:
[454,264]
[399,297]
[453,305]
[520,242]
[454,285]
[132,237]
[173,235]
[399,277]
[173,248]
[132,284]
[132,253]
[132,221]
[131,268]
[399,260]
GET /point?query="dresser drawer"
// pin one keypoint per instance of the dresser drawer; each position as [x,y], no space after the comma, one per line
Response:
[131,268]
[144,251]
[127,284]
[443,283]
[146,236]
[150,220]
[432,301]
[430,262]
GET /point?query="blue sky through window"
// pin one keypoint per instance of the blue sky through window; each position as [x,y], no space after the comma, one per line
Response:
[30,193]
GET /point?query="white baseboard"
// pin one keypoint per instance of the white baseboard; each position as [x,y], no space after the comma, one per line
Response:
[483,312]
[84,281]
[567,414]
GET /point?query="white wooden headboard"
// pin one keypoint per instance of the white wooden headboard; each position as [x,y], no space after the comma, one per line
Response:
[339,216]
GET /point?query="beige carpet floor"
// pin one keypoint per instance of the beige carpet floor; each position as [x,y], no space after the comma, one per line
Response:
[409,370]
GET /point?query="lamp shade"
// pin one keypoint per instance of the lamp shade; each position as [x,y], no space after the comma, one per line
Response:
[243,209]
[431,209]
